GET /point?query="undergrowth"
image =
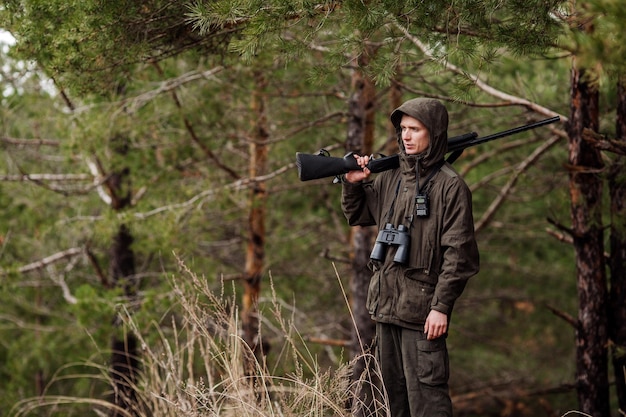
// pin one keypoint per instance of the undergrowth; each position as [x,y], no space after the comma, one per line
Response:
[195,367]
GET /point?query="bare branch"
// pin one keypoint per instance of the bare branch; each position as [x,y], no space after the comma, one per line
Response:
[59,279]
[98,181]
[326,254]
[46,177]
[603,143]
[29,142]
[485,156]
[190,129]
[96,266]
[329,342]
[308,125]
[167,86]
[43,263]
[567,237]
[565,316]
[506,189]
[23,324]
[569,233]
[237,185]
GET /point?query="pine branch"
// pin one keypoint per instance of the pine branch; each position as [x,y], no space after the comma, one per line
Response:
[477,81]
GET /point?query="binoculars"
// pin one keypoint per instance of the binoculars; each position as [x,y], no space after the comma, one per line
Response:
[390,236]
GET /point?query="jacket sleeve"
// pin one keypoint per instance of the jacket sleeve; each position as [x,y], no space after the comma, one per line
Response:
[358,203]
[458,244]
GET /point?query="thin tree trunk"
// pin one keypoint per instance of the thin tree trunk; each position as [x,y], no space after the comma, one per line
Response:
[124,368]
[617,294]
[255,253]
[124,357]
[39,374]
[360,139]
[586,212]
[395,100]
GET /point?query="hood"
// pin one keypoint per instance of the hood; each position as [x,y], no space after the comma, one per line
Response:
[434,115]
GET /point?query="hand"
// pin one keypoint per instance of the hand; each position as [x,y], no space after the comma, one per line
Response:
[436,324]
[363,173]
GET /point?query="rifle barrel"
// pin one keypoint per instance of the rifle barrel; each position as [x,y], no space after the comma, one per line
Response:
[460,145]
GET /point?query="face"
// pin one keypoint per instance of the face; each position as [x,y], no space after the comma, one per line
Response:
[415,136]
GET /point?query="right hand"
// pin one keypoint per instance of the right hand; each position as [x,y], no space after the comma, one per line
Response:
[361,174]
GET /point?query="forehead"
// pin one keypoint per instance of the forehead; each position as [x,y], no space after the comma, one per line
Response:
[410,121]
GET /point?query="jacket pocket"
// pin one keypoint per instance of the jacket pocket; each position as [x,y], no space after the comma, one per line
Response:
[415,293]
[433,366]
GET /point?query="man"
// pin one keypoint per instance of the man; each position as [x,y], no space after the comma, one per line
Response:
[426,207]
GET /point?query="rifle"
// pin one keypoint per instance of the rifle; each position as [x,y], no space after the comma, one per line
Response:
[322,165]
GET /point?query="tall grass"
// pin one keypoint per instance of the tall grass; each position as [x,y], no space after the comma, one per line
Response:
[195,367]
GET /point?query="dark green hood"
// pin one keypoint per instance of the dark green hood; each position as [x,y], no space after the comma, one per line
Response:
[434,116]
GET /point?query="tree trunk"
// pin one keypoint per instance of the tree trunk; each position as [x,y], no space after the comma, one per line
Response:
[255,252]
[360,139]
[395,100]
[124,356]
[617,294]
[586,212]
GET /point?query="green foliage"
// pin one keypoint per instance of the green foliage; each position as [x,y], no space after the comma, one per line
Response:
[163,89]
[605,42]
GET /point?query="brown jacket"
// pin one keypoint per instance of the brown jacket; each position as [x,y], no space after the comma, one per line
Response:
[443,249]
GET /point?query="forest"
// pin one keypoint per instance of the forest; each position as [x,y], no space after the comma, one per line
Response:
[160,256]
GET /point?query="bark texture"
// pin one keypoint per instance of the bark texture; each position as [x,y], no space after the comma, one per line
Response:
[587,230]
[617,293]
[125,356]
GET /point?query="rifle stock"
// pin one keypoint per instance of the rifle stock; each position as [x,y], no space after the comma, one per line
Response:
[315,166]
[312,167]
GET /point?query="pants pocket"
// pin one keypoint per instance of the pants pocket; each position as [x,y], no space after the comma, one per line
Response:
[433,363]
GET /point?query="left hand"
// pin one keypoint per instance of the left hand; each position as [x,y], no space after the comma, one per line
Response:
[436,324]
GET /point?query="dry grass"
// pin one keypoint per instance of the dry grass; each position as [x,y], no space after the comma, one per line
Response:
[195,368]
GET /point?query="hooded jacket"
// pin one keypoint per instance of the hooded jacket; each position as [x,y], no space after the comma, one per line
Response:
[443,253]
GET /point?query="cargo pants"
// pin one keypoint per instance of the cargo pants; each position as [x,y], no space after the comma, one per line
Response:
[414,371]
